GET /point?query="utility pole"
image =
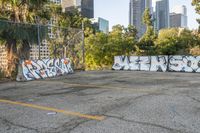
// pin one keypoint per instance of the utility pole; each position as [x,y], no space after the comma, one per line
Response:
[83,44]
[38,30]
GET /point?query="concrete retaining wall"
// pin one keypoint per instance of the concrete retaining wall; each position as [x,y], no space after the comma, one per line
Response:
[162,63]
[40,69]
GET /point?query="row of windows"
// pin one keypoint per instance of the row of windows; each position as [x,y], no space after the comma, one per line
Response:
[37,47]
[37,50]
[40,55]
[34,53]
[40,48]
[41,52]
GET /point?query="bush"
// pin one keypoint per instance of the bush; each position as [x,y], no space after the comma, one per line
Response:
[101,48]
[195,50]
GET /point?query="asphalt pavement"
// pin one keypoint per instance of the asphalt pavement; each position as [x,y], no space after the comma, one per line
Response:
[103,102]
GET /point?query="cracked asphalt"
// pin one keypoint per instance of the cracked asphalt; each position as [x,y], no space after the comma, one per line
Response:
[128,101]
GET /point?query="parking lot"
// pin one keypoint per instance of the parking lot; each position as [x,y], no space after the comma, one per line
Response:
[103,102]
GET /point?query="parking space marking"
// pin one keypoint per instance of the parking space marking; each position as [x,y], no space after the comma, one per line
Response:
[92,117]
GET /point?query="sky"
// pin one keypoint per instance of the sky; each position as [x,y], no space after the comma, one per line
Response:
[117,11]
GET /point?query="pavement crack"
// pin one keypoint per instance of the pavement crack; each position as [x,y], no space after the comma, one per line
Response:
[66,91]
[9,124]
[146,124]
[71,125]
[195,99]
[121,103]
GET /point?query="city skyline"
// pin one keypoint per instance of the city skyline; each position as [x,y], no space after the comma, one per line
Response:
[86,7]
[162,14]
[178,17]
[118,13]
[136,10]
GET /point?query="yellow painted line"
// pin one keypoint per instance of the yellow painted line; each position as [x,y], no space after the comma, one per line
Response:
[99,118]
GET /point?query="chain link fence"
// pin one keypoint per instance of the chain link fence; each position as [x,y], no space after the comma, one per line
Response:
[38,41]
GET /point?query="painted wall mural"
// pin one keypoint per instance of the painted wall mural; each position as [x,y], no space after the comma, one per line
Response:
[45,68]
[184,63]
[159,63]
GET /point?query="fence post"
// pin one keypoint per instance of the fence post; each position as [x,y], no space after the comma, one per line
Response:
[38,30]
[83,45]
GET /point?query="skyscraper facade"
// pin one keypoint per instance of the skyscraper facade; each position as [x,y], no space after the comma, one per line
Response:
[86,7]
[136,10]
[180,9]
[178,17]
[101,24]
[178,20]
[162,15]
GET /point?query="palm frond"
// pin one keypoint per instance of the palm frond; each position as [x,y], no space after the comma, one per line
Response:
[20,31]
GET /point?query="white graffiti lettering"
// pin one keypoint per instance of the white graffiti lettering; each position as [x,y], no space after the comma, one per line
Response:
[184,63]
[40,69]
[160,63]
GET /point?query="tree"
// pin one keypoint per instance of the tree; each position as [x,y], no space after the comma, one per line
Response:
[101,48]
[14,34]
[68,36]
[95,45]
[175,41]
[145,45]
[167,42]
[196,3]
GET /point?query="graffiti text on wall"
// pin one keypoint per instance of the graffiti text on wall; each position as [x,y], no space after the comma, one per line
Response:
[39,69]
[158,63]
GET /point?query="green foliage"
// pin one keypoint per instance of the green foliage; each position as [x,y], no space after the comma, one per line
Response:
[2,74]
[23,10]
[71,19]
[17,16]
[175,41]
[196,3]
[146,44]
[21,32]
[69,40]
[147,18]
[16,34]
[101,48]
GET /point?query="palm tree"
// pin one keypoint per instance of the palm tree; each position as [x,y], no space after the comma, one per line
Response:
[17,37]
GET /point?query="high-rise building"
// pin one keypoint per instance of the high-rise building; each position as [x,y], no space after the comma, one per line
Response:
[101,24]
[162,14]
[86,7]
[178,20]
[180,9]
[178,17]
[136,10]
